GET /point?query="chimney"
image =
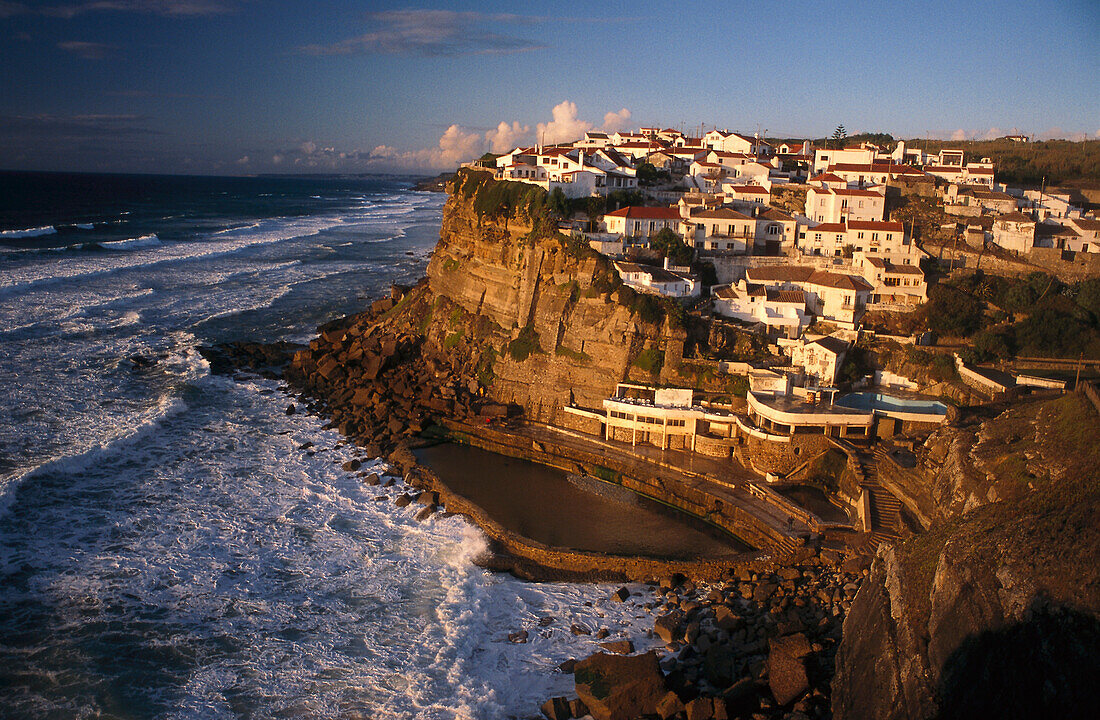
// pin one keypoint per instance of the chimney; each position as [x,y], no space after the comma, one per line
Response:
[666,262]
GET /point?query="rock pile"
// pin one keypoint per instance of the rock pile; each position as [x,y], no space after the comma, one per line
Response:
[379,385]
[761,645]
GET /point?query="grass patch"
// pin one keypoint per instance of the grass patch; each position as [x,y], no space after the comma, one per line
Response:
[574,355]
[651,360]
[452,340]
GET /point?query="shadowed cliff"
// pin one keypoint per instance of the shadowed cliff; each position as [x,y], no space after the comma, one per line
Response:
[993,611]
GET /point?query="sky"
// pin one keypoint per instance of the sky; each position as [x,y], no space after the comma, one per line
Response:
[259,86]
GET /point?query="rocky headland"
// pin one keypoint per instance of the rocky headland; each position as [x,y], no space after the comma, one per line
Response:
[988,609]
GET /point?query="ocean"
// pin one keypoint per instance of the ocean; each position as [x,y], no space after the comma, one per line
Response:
[172,543]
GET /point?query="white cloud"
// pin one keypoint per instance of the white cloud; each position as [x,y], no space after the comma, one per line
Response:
[505,136]
[244,160]
[565,126]
[959,134]
[616,121]
[456,145]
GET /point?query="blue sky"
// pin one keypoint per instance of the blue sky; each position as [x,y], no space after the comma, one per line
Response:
[244,86]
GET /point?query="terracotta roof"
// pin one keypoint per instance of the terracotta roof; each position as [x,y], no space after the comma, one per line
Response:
[648,213]
[875,225]
[830,227]
[751,189]
[720,214]
[1087,223]
[778,215]
[833,344]
[786,296]
[838,280]
[827,177]
[779,273]
[1017,216]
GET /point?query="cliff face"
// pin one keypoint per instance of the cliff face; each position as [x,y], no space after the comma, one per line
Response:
[993,611]
[555,301]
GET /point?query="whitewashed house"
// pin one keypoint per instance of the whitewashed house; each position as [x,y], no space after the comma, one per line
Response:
[828,205]
[666,281]
[894,286]
[836,297]
[1014,231]
[637,224]
[820,359]
[782,310]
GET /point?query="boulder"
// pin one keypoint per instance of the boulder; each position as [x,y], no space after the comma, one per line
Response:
[620,595]
[352,465]
[518,637]
[578,707]
[579,629]
[670,705]
[403,500]
[701,708]
[727,619]
[557,709]
[616,687]
[622,647]
[566,667]
[786,670]
[425,513]
[667,627]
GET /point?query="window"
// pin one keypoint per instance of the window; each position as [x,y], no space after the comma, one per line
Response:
[861,203]
[859,235]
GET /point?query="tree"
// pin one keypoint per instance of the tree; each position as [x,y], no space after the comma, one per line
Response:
[672,246]
[559,204]
[839,134]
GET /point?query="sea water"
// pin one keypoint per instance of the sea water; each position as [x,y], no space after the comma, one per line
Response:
[172,543]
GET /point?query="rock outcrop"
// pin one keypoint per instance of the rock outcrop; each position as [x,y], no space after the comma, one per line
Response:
[993,611]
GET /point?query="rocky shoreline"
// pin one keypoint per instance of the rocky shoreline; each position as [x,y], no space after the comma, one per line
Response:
[756,641]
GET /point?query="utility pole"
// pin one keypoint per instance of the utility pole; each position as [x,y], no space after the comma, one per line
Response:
[1077,380]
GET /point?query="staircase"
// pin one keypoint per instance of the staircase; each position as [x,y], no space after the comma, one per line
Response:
[886,521]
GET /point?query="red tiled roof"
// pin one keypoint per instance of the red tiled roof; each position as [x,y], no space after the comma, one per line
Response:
[875,225]
[751,189]
[647,213]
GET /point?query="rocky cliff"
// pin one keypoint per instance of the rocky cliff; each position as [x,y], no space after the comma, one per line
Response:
[993,611]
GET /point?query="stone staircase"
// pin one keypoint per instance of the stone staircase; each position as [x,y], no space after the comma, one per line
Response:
[886,520]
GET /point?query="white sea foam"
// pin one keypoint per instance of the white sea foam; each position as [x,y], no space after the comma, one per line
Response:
[85,226]
[28,232]
[145,241]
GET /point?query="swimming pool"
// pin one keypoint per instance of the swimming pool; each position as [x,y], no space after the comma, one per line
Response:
[888,404]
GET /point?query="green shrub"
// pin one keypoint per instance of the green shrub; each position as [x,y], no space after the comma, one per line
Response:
[525,343]
[451,340]
[650,360]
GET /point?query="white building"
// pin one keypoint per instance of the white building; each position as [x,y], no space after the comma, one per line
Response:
[836,297]
[637,223]
[820,359]
[837,205]
[670,282]
[895,286]
[720,229]
[1014,231]
[783,310]
[883,238]
[1089,231]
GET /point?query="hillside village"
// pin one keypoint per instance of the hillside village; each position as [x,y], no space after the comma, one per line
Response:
[789,234]
[827,256]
